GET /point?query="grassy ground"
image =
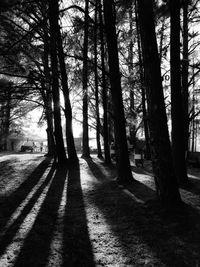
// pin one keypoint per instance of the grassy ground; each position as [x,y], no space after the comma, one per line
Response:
[55,217]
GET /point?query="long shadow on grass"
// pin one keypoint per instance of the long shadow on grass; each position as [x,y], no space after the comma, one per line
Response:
[9,204]
[140,170]
[77,246]
[14,225]
[98,174]
[139,190]
[193,186]
[171,241]
[36,250]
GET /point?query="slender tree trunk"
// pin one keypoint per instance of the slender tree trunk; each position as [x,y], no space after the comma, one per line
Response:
[98,124]
[131,69]
[85,146]
[123,164]
[162,39]
[53,19]
[47,99]
[178,141]
[46,89]
[185,65]
[50,136]
[193,123]
[130,65]
[72,155]
[165,178]
[104,92]
[142,82]
[7,117]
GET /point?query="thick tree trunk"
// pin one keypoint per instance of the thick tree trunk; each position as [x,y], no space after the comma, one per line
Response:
[98,124]
[123,164]
[104,92]
[53,19]
[165,178]
[178,140]
[85,145]
[72,155]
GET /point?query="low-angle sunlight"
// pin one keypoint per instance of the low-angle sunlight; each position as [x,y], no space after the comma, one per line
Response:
[99,133]
[56,247]
[13,249]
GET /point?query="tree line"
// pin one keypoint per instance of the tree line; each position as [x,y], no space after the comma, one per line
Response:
[110,58]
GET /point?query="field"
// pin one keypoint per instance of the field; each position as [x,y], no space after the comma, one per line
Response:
[56,217]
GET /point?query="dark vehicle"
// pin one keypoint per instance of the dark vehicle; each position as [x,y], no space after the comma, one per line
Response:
[112,150]
[28,146]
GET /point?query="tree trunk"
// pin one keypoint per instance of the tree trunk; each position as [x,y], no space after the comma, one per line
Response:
[50,137]
[185,65]
[53,19]
[98,124]
[162,39]
[72,155]
[46,89]
[85,146]
[104,92]
[164,174]
[123,164]
[130,60]
[178,141]
[7,116]
[47,99]
[132,131]
[142,82]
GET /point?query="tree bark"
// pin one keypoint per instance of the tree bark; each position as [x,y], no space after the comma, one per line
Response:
[123,164]
[85,145]
[185,64]
[132,131]
[142,82]
[178,140]
[7,111]
[72,155]
[46,88]
[104,91]
[164,173]
[98,124]
[53,20]
[130,64]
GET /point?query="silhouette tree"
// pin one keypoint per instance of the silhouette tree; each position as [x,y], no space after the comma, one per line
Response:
[123,164]
[72,155]
[98,124]
[177,114]
[185,73]
[53,21]
[85,146]
[104,89]
[164,173]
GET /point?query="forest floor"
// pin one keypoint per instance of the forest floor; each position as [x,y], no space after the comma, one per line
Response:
[55,217]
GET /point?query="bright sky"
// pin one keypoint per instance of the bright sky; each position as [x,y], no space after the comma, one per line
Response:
[35,130]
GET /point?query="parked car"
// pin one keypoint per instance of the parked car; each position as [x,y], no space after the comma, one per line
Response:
[112,150]
[28,146]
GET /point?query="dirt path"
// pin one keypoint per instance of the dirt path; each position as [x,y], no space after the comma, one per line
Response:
[55,217]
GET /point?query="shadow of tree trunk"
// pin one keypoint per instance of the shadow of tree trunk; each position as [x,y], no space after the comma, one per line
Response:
[77,245]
